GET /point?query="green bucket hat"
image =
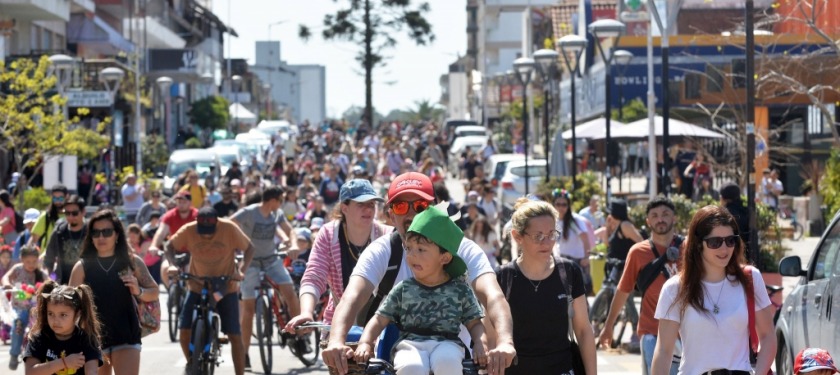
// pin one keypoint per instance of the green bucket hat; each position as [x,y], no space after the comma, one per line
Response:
[436,225]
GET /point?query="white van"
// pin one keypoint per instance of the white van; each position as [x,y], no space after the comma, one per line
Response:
[203,161]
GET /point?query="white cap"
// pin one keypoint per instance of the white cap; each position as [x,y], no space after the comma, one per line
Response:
[31,215]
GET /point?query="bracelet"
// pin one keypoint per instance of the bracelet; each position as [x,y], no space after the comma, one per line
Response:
[141,292]
[64,362]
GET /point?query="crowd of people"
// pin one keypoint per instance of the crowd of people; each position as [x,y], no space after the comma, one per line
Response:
[373,218]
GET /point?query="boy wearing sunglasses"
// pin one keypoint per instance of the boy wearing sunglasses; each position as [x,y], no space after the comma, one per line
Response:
[65,242]
[410,194]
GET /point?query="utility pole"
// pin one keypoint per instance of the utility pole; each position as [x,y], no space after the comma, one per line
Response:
[750,162]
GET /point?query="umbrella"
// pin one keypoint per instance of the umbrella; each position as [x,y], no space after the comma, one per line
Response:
[558,166]
[640,129]
[592,129]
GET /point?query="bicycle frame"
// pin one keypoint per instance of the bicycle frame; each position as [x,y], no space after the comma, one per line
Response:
[204,343]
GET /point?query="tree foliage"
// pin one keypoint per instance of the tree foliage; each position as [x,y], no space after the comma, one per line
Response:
[210,113]
[155,155]
[373,25]
[631,111]
[830,185]
[425,110]
[32,123]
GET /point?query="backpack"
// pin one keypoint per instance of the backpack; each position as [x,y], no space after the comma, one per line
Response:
[657,266]
[19,227]
[390,275]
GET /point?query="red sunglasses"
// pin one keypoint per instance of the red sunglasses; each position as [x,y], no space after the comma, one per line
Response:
[401,208]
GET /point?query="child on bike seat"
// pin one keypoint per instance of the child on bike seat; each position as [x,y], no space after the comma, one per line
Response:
[24,275]
[430,307]
[814,361]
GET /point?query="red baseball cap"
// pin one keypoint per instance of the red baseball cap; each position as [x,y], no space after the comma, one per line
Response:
[411,182]
[813,359]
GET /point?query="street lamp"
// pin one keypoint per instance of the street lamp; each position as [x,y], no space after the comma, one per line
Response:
[112,78]
[164,83]
[524,66]
[574,45]
[236,79]
[547,67]
[622,59]
[61,66]
[476,87]
[607,28]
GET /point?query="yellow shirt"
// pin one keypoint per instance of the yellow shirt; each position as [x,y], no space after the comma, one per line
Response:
[197,193]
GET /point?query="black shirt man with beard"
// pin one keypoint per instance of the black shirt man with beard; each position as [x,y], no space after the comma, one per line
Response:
[65,242]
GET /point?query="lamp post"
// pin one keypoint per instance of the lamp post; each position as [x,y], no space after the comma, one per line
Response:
[607,28]
[236,79]
[164,83]
[61,66]
[622,58]
[547,67]
[750,101]
[574,45]
[524,66]
[476,87]
[112,78]
[665,30]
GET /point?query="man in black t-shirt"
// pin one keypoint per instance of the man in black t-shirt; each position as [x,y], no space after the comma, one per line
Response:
[66,241]
[226,206]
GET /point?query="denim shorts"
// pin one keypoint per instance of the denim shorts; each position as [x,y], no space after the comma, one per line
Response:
[227,307]
[117,348]
[274,269]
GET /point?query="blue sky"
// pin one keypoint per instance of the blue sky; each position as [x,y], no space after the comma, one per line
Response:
[411,74]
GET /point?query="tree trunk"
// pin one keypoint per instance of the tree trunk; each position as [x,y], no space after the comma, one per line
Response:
[368,62]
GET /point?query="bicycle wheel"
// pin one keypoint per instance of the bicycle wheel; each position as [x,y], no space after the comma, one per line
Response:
[215,350]
[197,344]
[174,308]
[600,309]
[264,332]
[621,324]
[798,231]
[307,348]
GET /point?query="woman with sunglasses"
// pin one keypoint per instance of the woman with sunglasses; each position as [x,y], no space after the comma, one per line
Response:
[532,284]
[337,248]
[706,305]
[573,242]
[45,224]
[115,276]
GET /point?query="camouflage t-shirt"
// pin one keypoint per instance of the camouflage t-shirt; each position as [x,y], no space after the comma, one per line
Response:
[440,309]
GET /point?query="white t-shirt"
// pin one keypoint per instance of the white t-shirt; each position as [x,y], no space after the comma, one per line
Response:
[718,341]
[572,246]
[132,206]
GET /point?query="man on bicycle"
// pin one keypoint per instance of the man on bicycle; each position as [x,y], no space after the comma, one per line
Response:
[170,223]
[409,194]
[212,243]
[661,216]
[261,222]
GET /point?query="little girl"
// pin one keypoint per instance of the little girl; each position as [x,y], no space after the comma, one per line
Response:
[67,343]
[24,273]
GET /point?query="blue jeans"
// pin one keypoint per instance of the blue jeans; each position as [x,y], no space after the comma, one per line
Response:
[18,330]
[648,344]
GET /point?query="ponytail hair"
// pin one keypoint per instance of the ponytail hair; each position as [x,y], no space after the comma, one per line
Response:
[80,298]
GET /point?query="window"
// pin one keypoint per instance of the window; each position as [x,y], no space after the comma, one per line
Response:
[674,88]
[692,85]
[714,79]
[739,73]
[827,255]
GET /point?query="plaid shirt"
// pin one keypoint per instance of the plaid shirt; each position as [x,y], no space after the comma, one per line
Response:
[324,266]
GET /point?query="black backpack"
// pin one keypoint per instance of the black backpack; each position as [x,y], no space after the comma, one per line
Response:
[19,227]
[390,277]
[656,267]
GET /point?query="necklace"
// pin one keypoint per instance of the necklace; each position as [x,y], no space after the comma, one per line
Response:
[109,267]
[536,286]
[353,249]
[716,308]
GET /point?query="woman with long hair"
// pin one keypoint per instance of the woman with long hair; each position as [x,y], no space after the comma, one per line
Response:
[707,304]
[539,288]
[7,218]
[140,242]
[573,242]
[483,235]
[337,248]
[115,276]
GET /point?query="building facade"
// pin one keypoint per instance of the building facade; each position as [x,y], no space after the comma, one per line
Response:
[296,91]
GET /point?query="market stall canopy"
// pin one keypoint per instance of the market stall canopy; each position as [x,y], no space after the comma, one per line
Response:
[640,129]
[596,128]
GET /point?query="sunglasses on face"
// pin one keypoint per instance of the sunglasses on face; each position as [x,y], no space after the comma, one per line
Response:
[717,242]
[71,213]
[540,237]
[58,198]
[401,208]
[107,232]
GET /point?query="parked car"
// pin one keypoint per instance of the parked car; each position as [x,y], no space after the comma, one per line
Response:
[203,161]
[495,166]
[471,130]
[512,183]
[806,318]
[475,143]
[452,124]
[229,154]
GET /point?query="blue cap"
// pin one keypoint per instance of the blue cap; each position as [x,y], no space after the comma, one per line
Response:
[304,233]
[358,190]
